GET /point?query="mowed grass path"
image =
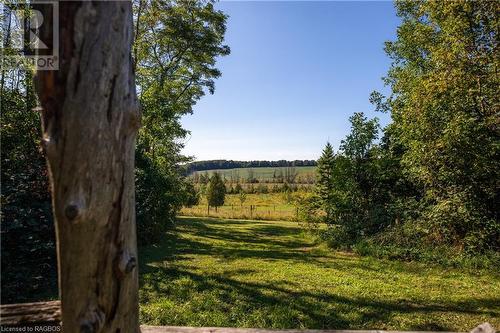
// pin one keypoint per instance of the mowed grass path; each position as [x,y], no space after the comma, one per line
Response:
[263,274]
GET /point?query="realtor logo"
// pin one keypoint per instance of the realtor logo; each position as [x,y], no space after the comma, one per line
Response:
[30,34]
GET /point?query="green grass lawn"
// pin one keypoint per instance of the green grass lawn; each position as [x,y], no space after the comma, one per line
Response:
[213,272]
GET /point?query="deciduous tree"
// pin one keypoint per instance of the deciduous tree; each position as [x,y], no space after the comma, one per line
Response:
[444,105]
[177,44]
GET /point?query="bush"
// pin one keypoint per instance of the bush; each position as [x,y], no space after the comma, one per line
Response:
[337,237]
[29,271]
[262,189]
[458,221]
[309,211]
[160,194]
[439,255]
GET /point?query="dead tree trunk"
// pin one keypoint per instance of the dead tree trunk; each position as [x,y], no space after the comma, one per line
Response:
[90,117]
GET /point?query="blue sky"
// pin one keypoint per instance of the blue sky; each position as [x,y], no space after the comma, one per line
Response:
[296,72]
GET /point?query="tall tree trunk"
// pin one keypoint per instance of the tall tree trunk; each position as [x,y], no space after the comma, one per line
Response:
[90,118]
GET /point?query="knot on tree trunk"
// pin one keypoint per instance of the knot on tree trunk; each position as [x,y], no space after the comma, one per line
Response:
[93,320]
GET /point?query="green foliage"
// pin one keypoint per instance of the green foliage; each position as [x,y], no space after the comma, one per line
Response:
[433,178]
[176,47]
[325,181]
[242,197]
[27,239]
[442,256]
[216,191]
[262,189]
[356,146]
[444,104]
[177,43]
[192,196]
[347,186]
[159,195]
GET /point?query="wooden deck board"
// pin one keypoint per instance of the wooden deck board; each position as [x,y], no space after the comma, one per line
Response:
[31,313]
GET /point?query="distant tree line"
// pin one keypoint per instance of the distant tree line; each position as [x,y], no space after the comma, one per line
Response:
[230,164]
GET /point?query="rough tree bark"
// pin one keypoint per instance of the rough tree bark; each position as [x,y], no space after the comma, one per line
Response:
[90,117]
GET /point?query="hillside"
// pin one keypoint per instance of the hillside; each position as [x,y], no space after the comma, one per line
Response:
[301,174]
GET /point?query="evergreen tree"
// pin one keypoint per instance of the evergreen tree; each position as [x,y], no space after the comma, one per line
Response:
[216,191]
[324,185]
[191,195]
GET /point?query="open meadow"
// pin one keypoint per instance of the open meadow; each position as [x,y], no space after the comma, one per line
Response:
[270,274]
[270,206]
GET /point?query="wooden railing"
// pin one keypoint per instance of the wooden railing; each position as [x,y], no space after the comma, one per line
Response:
[48,314]
[42,313]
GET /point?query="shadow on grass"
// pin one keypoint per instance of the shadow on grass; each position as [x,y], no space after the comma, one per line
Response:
[266,242]
[294,308]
